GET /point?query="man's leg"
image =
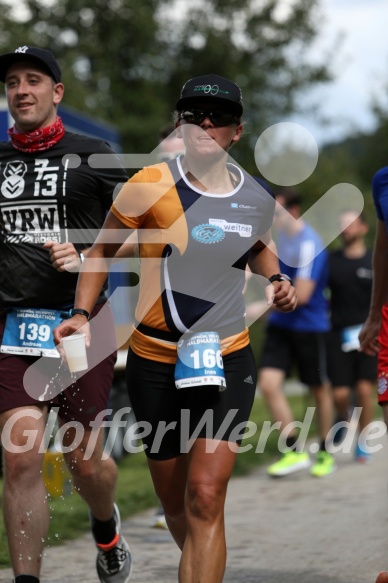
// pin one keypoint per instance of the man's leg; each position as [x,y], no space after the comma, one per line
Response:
[365,398]
[271,388]
[271,385]
[94,479]
[312,366]
[25,508]
[341,401]
[324,409]
[325,462]
[276,358]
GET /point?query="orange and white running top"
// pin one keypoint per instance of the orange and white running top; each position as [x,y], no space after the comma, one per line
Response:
[194,247]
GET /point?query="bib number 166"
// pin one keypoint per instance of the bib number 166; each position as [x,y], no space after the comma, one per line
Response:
[208,358]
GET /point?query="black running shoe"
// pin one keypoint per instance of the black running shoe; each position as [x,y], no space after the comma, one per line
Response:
[114,563]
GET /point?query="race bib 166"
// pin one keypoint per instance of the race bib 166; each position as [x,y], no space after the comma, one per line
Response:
[199,361]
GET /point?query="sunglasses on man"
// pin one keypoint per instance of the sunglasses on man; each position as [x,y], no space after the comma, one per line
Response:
[218,117]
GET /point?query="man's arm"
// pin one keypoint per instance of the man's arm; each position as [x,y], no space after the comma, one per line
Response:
[65,257]
[370,331]
[305,280]
[93,274]
[304,289]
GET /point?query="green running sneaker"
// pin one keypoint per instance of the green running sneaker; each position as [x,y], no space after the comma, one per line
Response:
[290,462]
[324,465]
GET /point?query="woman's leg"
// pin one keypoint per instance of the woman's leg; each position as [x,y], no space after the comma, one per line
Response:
[191,482]
[169,478]
[204,551]
[192,489]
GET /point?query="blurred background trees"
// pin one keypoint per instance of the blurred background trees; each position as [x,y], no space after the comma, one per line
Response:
[125,61]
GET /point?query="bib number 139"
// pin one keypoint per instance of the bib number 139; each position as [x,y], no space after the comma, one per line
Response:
[34,331]
[29,331]
[208,358]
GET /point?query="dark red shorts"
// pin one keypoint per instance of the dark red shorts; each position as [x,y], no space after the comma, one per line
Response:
[382,362]
[79,398]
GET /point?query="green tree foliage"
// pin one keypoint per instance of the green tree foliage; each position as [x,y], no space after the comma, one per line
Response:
[125,61]
[355,159]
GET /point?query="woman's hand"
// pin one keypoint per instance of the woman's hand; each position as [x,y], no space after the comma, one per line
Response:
[282,295]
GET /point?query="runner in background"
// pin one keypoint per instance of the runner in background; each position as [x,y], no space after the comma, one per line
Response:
[374,334]
[352,373]
[298,339]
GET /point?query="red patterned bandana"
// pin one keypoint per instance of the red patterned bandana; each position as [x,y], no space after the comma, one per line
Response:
[41,139]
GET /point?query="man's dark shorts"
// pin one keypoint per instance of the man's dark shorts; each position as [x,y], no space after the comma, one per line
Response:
[284,348]
[346,368]
[83,399]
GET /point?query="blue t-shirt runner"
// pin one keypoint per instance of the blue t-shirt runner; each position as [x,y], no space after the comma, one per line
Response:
[302,255]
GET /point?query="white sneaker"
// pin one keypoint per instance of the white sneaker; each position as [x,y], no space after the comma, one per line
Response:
[159,520]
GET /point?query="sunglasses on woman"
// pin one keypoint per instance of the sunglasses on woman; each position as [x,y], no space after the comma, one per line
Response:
[218,117]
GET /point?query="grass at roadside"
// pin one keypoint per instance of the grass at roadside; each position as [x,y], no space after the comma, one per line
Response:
[69,518]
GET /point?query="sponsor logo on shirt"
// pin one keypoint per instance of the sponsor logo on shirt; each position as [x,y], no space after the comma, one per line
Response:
[30,223]
[241,229]
[207,233]
[235,205]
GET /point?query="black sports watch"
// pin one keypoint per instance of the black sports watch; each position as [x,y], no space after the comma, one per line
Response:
[280,277]
[75,311]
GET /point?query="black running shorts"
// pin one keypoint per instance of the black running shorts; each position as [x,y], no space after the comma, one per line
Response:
[171,416]
[346,368]
[285,348]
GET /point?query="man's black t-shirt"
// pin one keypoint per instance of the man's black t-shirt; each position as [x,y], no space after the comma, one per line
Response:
[350,283]
[53,194]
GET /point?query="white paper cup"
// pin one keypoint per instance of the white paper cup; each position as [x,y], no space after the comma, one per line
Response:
[75,352]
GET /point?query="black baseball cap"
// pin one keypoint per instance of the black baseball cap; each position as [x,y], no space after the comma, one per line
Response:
[34,54]
[211,88]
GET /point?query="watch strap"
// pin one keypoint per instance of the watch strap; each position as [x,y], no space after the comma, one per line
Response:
[280,277]
[75,311]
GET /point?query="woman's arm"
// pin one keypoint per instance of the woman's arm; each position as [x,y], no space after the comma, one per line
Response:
[264,261]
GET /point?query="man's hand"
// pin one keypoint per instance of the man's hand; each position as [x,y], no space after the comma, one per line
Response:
[282,295]
[368,336]
[63,256]
[77,323]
